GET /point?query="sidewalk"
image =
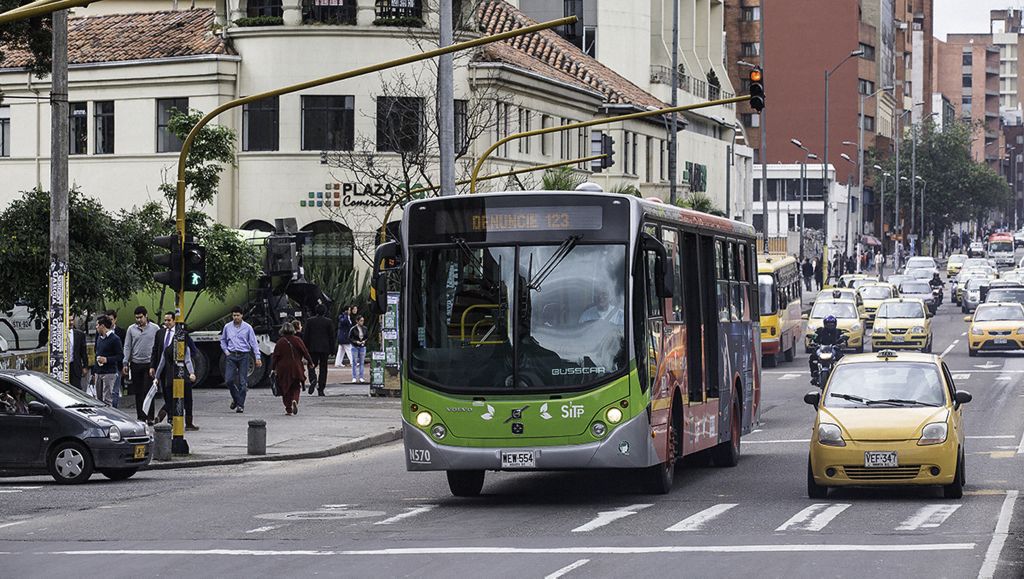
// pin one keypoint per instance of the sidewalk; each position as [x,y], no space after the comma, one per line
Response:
[345,420]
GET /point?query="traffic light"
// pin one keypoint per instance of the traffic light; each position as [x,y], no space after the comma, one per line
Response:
[757,89]
[195,267]
[608,150]
[172,261]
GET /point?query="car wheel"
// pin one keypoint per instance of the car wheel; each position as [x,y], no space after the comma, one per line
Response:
[119,473]
[658,479]
[814,490]
[466,483]
[955,490]
[70,463]
[928,348]
[771,361]
[972,352]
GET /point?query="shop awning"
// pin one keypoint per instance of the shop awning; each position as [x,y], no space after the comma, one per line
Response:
[870,240]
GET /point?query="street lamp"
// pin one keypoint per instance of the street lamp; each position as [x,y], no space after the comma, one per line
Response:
[913,166]
[923,190]
[849,202]
[881,202]
[803,188]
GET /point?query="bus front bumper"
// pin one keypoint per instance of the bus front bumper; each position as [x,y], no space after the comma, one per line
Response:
[628,446]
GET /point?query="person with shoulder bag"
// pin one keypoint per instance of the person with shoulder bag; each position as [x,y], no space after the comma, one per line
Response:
[289,371]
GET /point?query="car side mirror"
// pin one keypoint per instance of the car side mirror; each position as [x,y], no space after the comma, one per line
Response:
[813,398]
[929,313]
[803,316]
[40,409]
[967,318]
[963,397]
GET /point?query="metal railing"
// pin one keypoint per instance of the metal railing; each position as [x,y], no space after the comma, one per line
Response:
[329,12]
[695,86]
[387,9]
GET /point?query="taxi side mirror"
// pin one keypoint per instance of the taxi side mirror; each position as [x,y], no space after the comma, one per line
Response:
[967,318]
[963,397]
[929,313]
[814,398]
[803,316]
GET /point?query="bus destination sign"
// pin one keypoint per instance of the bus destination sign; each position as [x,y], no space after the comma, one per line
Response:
[536,219]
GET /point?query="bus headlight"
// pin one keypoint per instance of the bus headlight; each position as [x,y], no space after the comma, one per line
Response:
[439,431]
[424,419]
[614,415]
[598,429]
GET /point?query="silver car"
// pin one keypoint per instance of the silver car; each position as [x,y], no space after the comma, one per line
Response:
[972,294]
[919,290]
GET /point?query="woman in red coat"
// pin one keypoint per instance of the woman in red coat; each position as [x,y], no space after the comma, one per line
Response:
[289,353]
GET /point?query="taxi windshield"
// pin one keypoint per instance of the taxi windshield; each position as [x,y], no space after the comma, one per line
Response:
[957,258]
[885,384]
[998,313]
[975,283]
[916,262]
[902,310]
[919,287]
[837,309]
[1006,295]
[875,292]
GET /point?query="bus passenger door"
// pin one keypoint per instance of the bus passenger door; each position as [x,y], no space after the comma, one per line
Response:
[692,310]
[657,379]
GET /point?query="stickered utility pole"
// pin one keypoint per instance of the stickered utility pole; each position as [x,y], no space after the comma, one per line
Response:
[59,252]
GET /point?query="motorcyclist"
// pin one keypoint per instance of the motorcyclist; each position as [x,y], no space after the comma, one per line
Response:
[828,334]
[936,284]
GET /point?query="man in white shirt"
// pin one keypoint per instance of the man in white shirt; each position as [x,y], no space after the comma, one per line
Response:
[602,309]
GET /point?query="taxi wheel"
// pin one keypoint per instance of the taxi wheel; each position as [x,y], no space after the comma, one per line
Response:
[928,348]
[814,490]
[70,463]
[971,352]
[465,483]
[955,490]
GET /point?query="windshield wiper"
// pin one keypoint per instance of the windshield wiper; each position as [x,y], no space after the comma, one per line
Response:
[553,261]
[466,251]
[899,401]
[852,398]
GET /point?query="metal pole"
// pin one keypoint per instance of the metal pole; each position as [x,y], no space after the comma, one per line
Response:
[446,101]
[728,179]
[59,299]
[923,191]
[803,194]
[913,181]
[763,117]
[860,166]
[824,181]
[673,148]
[896,225]
[849,213]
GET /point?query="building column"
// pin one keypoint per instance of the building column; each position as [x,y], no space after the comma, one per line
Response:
[292,12]
[236,10]
[366,12]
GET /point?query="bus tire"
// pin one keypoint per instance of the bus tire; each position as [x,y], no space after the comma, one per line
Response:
[790,354]
[771,361]
[660,478]
[465,483]
[727,454]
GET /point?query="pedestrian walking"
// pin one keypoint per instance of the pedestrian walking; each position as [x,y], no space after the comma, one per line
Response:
[851,264]
[808,272]
[121,333]
[138,354]
[344,327]
[287,362]
[879,263]
[319,339]
[819,273]
[79,361]
[162,367]
[358,335]
[238,342]
[109,354]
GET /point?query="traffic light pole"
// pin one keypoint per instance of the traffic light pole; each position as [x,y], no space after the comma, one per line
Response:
[177,423]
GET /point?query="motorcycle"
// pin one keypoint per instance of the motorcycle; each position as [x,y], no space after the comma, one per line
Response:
[936,299]
[828,355]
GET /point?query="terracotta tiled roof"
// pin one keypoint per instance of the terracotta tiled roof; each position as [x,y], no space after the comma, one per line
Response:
[550,55]
[137,36]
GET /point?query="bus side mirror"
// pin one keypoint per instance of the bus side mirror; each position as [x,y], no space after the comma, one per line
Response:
[663,276]
[386,259]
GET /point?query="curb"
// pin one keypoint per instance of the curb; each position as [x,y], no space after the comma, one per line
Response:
[350,446]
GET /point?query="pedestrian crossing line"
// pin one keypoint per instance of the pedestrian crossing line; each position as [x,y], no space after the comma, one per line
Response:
[928,517]
[696,521]
[409,513]
[965,376]
[607,517]
[814,518]
[565,570]
[789,376]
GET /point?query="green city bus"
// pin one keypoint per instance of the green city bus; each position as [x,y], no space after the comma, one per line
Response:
[572,330]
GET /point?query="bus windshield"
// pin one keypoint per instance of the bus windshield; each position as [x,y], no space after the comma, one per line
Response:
[558,323]
[766,293]
[1001,247]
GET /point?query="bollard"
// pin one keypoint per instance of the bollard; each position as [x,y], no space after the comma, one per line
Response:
[162,442]
[257,437]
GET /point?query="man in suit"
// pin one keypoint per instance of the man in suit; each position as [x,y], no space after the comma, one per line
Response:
[319,339]
[121,334]
[79,356]
[162,347]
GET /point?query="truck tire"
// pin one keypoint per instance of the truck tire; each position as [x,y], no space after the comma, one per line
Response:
[258,377]
[201,363]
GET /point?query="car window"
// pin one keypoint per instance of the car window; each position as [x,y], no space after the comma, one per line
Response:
[901,310]
[837,309]
[951,386]
[865,385]
[916,288]
[1005,295]
[54,392]
[14,399]
[875,292]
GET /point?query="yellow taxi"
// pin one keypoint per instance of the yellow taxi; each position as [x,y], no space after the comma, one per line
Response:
[887,419]
[846,280]
[873,294]
[843,293]
[955,262]
[996,327]
[847,320]
[902,323]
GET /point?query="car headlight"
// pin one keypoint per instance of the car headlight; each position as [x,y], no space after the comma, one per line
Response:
[1020,330]
[614,415]
[878,331]
[830,435]
[114,434]
[934,433]
[917,330]
[855,328]
[424,419]
[977,332]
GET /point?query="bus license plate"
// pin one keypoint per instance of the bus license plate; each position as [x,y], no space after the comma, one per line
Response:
[880,459]
[521,459]
[140,451]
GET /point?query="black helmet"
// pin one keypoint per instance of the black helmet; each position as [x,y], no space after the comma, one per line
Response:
[935,275]
[830,322]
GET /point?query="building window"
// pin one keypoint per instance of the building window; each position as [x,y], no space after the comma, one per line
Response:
[545,140]
[329,11]
[103,120]
[388,9]
[564,143]
[590,41]
[5,131]
[866,87]
[869,123]
[525,124]
[869,51]
[166,141]
[78,129]
[745,85]
[649,160]
[968,58]
[260,125]
[663,164]
[967,81]
[751,13]
[256,8]
[399,123]
[752,120]
[633,170]
[627,150]
[328,123]
[751,48]
[461,127]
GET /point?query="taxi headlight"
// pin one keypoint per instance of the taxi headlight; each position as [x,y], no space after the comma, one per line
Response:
[1020,330]
[614,415]
[424,419]
[855,328]
[830,435]
[977,332]
[878,331]
[934,433]
[114,434]
[917,330]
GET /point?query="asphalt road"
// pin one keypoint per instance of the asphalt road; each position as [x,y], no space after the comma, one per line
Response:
[362,515]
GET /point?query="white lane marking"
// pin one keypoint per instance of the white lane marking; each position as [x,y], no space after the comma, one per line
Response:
[965,376]
[993,436]
[986,365]
[263,529]
[814,518]
[995,548]
[963,334]
[419,510]
[5,525]
[784,441]
[606,517]
[948,349]
[785,548]
[696,521]
[789,376]
[1020,449]
[928,517]
[567,569]
[1004,378]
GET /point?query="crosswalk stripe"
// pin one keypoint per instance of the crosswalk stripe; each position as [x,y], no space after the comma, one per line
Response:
[928,517]
[814,518]
[696,521]
[606,517]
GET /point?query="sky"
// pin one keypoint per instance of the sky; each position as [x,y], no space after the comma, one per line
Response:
[967,15]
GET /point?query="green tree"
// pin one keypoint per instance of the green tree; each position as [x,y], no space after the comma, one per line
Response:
[32,35]
[698,201]
[561,179]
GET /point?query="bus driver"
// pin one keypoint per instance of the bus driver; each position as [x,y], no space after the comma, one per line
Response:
[602,309]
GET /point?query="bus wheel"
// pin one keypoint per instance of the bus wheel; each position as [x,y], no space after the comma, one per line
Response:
[727,453]
[771,360]
[660,477]
[790,354]
[465,483]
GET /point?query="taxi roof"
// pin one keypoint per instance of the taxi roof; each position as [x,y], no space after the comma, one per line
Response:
[889,356]
[902,299]
[824,300]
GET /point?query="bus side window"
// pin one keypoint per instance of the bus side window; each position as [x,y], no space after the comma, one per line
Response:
[674,305]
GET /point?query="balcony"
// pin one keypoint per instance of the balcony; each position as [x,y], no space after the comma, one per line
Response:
[407,13]
[329,12]
[695,86]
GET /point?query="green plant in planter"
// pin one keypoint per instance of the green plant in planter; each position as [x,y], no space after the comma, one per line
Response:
[260,21]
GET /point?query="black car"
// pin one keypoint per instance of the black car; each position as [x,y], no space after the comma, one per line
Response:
[48,426]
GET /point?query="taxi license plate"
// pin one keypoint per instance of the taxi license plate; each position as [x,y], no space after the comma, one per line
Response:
[520,459]
[140,451]
[999,340]
[899,339]
[880,459]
